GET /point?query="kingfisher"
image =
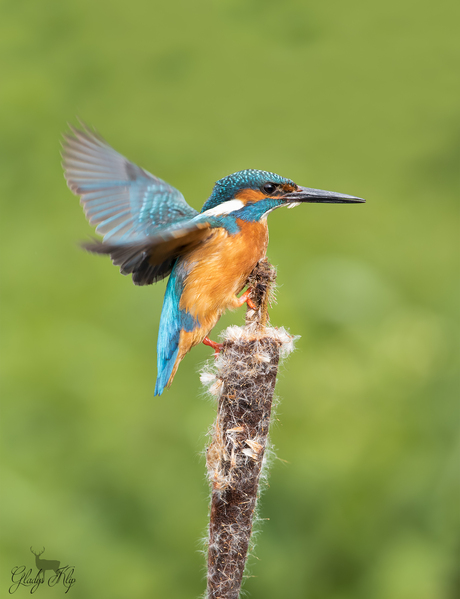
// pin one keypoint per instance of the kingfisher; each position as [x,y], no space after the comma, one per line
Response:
[151,233]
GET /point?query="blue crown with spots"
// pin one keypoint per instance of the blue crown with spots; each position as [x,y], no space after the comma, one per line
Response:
[226,188]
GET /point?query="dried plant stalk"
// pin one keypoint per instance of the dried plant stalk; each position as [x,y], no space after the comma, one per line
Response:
[244,381]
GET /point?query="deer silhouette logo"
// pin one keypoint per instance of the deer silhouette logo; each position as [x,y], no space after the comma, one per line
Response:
[45,564]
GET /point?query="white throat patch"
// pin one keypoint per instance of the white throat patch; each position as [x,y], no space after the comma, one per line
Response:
[224,208]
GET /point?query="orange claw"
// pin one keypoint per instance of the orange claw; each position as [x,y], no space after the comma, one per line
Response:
[245,298]
[217,347]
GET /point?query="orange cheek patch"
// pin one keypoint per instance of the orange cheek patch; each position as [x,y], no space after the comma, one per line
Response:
[250,195]
[288,188]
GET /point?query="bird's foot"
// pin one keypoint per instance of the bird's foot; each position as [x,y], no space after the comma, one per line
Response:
[245,298]
[217,347]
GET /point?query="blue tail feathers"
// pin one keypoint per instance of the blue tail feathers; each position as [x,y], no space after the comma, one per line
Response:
[173,320]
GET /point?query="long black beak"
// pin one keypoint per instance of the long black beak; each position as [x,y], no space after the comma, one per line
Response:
[307,194]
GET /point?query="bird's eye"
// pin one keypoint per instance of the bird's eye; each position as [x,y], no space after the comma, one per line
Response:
[269,188]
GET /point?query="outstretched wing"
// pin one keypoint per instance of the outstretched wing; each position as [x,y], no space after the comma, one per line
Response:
[125,202]
[153,258]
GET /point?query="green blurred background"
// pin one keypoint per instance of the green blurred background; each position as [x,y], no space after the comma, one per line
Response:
[356,97]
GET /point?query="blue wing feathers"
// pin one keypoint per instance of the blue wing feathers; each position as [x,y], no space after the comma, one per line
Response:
[146,225]
[124,200]
[150,259]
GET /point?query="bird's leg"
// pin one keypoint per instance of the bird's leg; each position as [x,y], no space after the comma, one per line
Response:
[245,298]
[239,301]
[215,346]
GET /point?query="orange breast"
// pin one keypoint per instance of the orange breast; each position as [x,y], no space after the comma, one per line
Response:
[220,269]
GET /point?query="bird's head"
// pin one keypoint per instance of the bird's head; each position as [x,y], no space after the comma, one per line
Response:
[252,194]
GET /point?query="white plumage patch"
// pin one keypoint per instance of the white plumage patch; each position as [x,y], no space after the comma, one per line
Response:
[224,208]
[293,204]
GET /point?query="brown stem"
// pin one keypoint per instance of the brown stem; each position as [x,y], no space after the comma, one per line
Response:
[246,377]
[262,281]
